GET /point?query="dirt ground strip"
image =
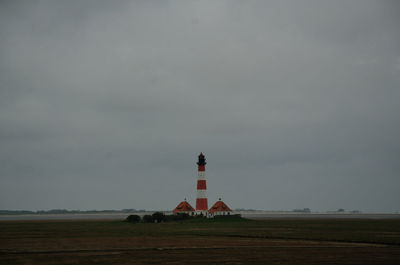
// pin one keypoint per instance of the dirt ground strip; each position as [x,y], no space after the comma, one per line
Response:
[67,244]
[184,250]
[229,255]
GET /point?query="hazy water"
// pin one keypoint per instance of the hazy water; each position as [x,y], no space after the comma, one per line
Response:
[78,216]
[253,215]
[324,215]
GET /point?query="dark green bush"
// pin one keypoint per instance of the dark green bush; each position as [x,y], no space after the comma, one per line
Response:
[177,217]
[158,217]
[148,219]
[133,218]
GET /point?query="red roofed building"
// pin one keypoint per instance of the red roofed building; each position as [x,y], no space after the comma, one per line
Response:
[220,208]
[184,207]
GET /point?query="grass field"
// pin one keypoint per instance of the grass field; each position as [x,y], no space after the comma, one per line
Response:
[233,241]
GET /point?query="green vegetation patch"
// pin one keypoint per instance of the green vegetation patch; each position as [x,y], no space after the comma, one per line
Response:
[355,230]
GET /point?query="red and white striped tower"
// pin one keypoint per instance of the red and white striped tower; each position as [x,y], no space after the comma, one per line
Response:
[201,201]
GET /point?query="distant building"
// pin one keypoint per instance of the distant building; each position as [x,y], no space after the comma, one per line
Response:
[220,208]
[184,207]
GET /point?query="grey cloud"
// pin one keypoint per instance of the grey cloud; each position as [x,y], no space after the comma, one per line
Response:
[106,105]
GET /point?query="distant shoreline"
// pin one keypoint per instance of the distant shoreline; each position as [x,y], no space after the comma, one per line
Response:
[247,214]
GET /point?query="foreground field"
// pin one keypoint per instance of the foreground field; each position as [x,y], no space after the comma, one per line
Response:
[237,241]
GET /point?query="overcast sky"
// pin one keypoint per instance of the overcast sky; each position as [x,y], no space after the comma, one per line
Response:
[106,104]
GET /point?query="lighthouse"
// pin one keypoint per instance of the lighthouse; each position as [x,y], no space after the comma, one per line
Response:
[201,200]
[219,208]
